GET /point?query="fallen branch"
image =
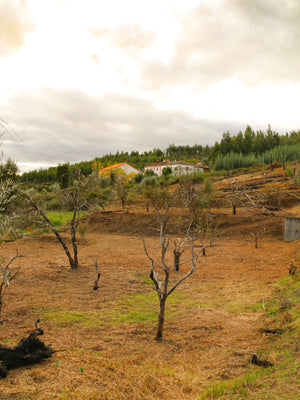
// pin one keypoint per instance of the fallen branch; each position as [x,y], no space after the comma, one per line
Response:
[259,361]
[28,351]
[271,331]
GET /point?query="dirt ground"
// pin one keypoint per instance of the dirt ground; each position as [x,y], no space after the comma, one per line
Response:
[105,338]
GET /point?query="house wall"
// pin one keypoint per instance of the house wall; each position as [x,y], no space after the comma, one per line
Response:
[177,169]
[128,169]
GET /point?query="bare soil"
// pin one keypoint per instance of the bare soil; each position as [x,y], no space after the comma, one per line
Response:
[106,337]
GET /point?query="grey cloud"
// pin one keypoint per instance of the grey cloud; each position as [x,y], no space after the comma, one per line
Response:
[15,23]
[59,126]
[253,41]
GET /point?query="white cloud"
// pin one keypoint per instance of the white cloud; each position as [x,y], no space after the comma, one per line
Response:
[15,24]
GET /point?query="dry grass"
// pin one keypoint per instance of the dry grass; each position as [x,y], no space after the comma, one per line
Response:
[106,337]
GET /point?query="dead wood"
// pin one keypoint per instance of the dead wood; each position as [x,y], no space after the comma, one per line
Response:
[259,361]
[96,284]
[28,351]
[271,331]
[292,269]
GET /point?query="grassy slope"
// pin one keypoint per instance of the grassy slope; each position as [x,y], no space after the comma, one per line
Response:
[282,313]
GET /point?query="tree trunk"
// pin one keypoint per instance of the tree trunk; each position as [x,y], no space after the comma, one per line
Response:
[234,210]
[74,261]
[177,259]
[161,318]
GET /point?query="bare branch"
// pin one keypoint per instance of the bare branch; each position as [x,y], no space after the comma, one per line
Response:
[26,196]
[152,260]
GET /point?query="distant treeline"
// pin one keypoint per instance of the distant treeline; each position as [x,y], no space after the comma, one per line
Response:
[242,150]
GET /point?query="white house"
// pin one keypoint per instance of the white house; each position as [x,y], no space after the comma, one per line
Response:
[177,167]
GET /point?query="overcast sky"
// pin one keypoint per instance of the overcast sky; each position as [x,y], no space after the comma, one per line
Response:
[83,78]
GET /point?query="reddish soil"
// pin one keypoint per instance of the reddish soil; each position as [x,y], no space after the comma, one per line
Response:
[211,330]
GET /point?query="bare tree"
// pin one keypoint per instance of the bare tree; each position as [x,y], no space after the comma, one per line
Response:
[234,195]
[7,194]
[257,236]
[76,195]
[6,277]
[162,202]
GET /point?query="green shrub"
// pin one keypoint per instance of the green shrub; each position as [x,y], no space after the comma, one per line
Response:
[54,204]
[289,172]
[138,178]
[91,195]
[297,176]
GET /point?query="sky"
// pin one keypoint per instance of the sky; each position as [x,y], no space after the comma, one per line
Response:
[83,78]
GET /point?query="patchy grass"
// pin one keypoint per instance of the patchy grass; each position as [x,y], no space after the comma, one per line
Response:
[61,218]
[212,321]
[143,307]
[63,317]
[131,309]
[236,388]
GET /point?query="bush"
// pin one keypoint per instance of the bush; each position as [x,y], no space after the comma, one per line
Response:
[149,181]
[289,172]
[149,172]
[91,195]
[54,204]
[138,178]
[55,187]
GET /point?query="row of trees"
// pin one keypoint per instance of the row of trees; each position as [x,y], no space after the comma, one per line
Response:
[255,145]
[281,154]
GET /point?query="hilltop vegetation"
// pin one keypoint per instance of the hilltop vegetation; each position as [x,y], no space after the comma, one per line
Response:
[243,150]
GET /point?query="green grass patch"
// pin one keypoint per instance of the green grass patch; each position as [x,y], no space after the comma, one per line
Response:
[236,386]
[142,307]
[61,218]
[130,309]
[62,317]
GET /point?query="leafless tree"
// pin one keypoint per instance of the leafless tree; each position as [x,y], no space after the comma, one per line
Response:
[76,194]
[234,195]
[6,277]
[162,202]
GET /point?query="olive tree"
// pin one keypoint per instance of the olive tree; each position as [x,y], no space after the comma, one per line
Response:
[76,195]
[8,172]
[164,274]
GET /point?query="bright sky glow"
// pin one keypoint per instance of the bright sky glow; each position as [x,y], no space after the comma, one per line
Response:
[75,72]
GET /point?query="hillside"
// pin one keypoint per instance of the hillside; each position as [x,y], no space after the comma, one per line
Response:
[215,321]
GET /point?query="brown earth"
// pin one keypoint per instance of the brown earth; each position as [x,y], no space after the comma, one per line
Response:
[106,336]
